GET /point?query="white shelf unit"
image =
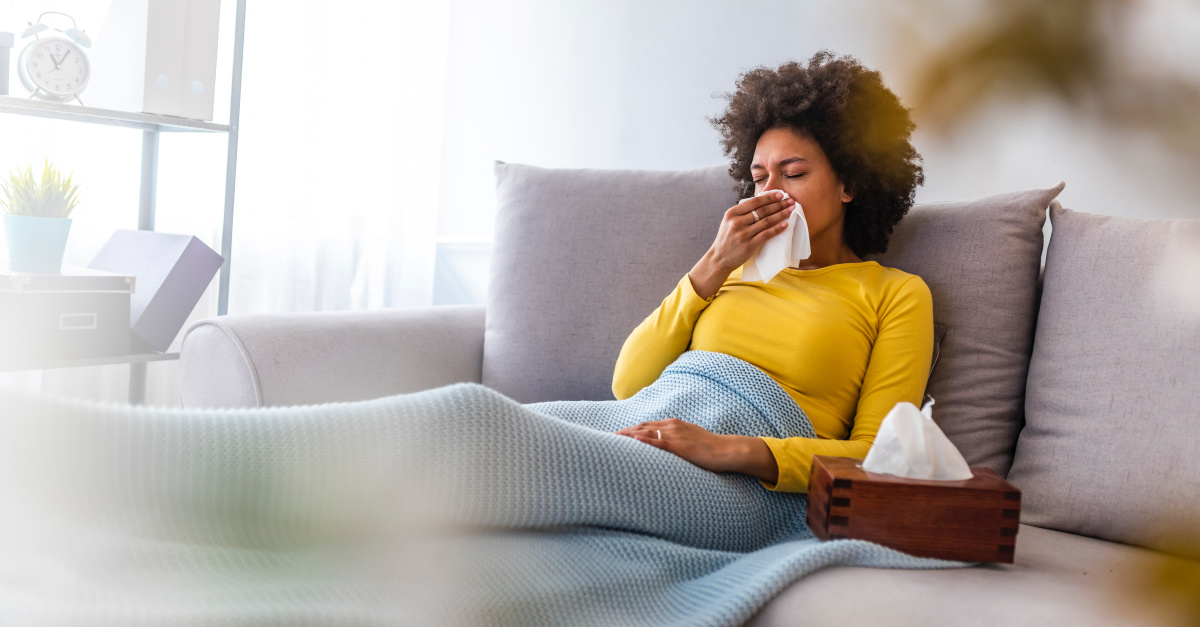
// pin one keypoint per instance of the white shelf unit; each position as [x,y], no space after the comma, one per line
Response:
[131,359]
[151,126]
[106,117]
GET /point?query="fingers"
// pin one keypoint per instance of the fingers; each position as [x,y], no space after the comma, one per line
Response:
[768,227]
[655,429]
[765,205]
[742,233]
[655,442]
[764,223]
[642,431]
[653,437]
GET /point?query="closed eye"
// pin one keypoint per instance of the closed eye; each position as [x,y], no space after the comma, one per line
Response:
[786,176]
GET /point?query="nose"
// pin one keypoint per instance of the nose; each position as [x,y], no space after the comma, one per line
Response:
[771,184]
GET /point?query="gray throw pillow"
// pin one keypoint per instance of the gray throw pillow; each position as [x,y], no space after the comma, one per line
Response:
[580,258]
[1111,444]
[981,260]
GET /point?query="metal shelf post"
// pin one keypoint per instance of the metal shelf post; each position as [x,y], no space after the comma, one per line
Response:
[235,116]
[147,201]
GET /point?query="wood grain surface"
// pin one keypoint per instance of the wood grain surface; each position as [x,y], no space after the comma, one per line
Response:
[973,520]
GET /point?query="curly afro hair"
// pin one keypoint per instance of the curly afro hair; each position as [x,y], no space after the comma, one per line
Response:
[857,121]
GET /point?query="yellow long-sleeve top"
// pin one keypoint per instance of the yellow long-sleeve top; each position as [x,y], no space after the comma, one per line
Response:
[847,342]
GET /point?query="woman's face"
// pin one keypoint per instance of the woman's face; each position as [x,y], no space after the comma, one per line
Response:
[795,163]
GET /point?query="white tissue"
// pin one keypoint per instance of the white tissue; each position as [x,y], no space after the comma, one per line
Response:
[781,251]
[910,444]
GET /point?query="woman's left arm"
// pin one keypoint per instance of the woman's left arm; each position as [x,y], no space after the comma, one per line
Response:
[897,370]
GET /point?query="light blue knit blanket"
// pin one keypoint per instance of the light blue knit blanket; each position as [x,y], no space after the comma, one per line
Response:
[452,506]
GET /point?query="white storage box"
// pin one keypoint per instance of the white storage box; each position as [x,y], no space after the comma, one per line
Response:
[156,56]
[76,314]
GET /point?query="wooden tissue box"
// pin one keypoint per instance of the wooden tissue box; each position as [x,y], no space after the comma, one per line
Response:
[974,520]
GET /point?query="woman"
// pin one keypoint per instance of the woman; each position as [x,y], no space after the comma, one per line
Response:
[846,338]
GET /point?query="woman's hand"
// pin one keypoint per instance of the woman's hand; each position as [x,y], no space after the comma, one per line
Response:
[718,453]
[740,238]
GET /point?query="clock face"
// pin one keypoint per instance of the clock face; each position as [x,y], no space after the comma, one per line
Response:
[56,67]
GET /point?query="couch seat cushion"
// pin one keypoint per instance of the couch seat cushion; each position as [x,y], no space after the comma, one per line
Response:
[1056,579]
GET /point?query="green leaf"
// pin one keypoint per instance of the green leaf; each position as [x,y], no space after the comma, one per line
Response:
[52,197]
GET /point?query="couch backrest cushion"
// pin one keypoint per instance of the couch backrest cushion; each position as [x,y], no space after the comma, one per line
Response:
[580,258]
[1111,444]
[981,260]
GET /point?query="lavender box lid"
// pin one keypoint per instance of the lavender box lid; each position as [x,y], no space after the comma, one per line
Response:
[172,273]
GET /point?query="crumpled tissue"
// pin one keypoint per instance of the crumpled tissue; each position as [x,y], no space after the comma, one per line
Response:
[910,444]
[785,249]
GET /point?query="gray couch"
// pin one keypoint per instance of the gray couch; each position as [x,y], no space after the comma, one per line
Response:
[1079,381]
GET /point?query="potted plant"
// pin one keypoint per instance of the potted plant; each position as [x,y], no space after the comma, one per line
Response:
[36,221]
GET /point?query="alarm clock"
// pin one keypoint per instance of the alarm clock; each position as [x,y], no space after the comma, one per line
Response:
[55,68]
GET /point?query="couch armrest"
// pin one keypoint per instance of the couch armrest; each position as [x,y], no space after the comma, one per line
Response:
[260,360]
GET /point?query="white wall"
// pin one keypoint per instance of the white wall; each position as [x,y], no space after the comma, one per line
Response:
[628,83]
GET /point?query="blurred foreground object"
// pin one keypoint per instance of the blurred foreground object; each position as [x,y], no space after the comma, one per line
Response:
[1107,58]
[1166,588]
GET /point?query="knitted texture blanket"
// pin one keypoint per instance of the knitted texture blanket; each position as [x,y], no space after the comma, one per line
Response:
[455,505]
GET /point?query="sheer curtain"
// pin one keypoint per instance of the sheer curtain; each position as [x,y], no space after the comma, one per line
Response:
[340,155]
[338,171]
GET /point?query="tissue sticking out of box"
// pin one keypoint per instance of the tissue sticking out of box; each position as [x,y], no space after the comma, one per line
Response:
[781,251]
[910,444]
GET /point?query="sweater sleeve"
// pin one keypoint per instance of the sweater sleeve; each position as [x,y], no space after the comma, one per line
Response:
[662,337]
[898,370]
